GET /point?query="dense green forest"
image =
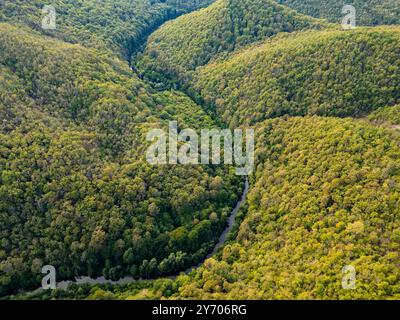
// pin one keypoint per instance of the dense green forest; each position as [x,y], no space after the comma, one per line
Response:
[194,39]
[76,191]
[326,194]
[120,25]
[335,73]
[368,12]
[332,73]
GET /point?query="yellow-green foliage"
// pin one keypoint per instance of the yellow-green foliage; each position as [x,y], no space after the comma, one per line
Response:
[388,115]
[120,25]
[326,194]
[194,39]
[76,190]
[368,12]
[324,73]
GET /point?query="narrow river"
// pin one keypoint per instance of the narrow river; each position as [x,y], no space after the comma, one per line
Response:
[230,224]
[125,280]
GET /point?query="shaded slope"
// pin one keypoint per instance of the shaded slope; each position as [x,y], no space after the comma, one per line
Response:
[325,195]
[120,25]
[326,190]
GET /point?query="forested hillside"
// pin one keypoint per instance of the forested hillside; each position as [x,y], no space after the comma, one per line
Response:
[325,195]
[331,73]
[76,191]
[368,12]
[120,25]
[194,39]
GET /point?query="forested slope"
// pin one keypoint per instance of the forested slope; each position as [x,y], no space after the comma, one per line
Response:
[120,25]
[75,189]
[325,195]
[326,190]
[333,73]
[368,12]
[76,192]
[194,39]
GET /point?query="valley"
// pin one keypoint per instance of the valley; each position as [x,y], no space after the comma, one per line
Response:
[77,192]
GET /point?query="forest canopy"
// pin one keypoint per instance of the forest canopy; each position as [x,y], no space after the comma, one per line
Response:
[194,39]
[76,191]
[120,25]
[368,12]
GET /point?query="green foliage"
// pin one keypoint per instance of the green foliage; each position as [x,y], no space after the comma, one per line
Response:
[388,115]
[137,290]
[76,190]
[332,73]
[77,193]
[194,39]
[120,25]
[326,195]
[368,12]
